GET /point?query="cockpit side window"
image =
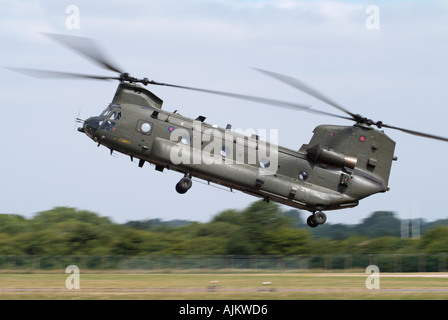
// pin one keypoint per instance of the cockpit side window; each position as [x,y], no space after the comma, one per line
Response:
[106,112]
[116,115]
[108,125]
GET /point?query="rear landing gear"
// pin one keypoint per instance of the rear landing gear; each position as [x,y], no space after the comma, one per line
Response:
[184,185]
[316,219]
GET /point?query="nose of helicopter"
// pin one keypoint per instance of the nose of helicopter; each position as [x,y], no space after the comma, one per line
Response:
[90,126]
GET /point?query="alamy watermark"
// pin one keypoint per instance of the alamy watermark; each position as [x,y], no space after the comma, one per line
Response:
[373,20]
[73,280]
[212,146]
[73,21]
[373,280]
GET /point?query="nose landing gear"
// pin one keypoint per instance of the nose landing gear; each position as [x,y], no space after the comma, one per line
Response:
[184,184]
[316,219]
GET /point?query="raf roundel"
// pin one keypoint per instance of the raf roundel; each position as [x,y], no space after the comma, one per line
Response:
[170,128]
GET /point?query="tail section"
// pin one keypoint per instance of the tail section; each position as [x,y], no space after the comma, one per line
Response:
[360,150]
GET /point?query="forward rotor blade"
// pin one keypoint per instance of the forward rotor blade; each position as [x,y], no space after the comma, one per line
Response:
[284,104]
[47,74]
[416,133]
[279,103]
[85,47]
[304,88]
[241,96]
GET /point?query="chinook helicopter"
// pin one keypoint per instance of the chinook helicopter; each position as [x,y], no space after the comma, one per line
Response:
[338,167]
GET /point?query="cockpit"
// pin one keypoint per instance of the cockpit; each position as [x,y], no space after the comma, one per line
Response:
[111,115]
[106,121]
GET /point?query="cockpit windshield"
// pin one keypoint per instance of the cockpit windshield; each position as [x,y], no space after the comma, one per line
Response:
[112,112]
[111,115]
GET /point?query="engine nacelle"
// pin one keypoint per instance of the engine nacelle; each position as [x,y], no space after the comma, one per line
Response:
[321,154]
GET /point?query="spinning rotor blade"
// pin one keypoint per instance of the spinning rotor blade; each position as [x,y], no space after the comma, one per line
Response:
[239,96]
[47,74]
[274,102]
[87,48]
[355,117]
[416,133]
[303,87]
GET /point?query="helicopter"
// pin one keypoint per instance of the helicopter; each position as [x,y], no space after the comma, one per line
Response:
[337,168]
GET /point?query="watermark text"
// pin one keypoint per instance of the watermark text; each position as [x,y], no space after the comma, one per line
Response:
[73,280]
[373,280]
[73,20]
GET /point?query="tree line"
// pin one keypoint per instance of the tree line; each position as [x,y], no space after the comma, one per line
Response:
[260,229]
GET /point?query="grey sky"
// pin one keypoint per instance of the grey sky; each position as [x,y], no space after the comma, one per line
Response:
[397,74]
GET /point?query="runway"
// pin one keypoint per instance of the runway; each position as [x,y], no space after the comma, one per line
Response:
[230,286]
[218,290]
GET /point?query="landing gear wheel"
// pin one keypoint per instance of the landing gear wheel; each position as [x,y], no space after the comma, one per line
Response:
[320,217]
[311,222]
[183,185]
[316,219]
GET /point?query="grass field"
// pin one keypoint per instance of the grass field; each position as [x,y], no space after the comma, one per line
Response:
[223,286]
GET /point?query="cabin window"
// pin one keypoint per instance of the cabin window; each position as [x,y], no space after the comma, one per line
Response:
[225,151]
[265,163]
[185,139]
[303,175]
[145,127]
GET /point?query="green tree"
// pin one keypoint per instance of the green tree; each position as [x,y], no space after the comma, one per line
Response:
[383,245]
[218,229]
[379,224]
[129,242]
[231,216]
[21,243]
[336,231]
[295,218]
[61,214]
[240,244]
[435,240]
[13,224]
[286,240]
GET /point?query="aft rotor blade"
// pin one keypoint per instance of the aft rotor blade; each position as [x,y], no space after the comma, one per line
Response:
[47,74]
[304,88]
[87,48]
[416,133]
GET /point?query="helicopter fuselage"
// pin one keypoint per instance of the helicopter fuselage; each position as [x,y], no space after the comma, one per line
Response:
[331,172]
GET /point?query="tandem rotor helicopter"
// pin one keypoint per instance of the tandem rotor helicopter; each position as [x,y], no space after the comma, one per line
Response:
[339,166]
